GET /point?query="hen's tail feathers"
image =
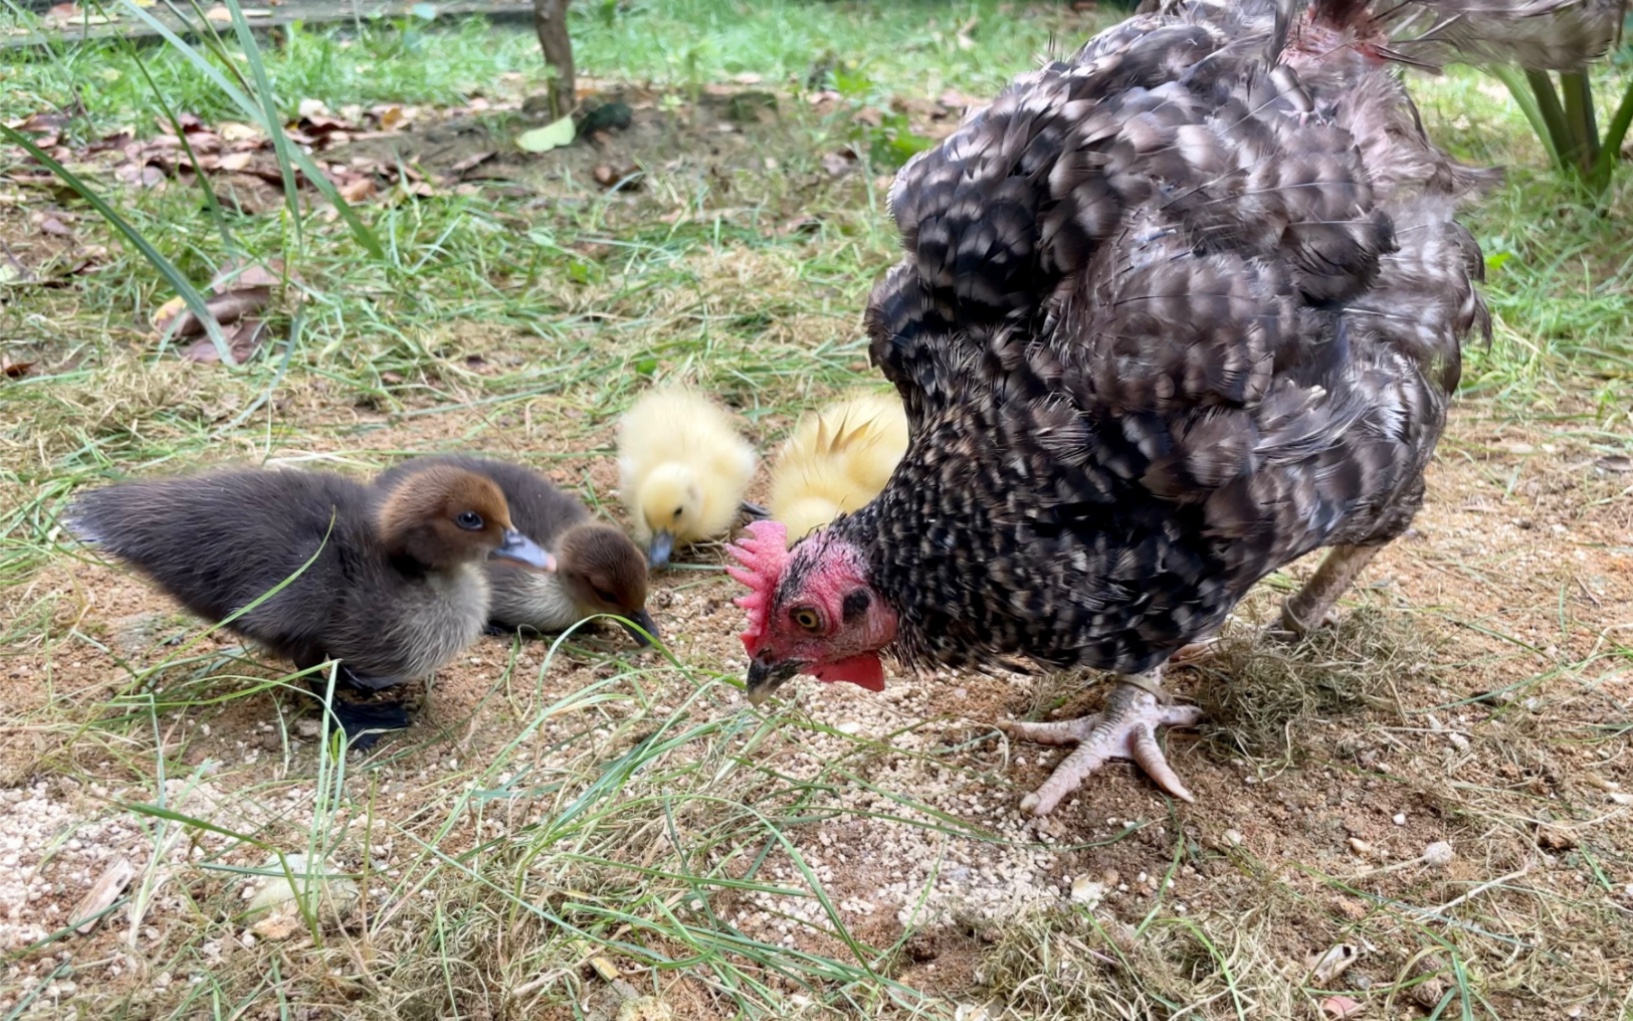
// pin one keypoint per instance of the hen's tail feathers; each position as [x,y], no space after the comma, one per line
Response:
[1539,35]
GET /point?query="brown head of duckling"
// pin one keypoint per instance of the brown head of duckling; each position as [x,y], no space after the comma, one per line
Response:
[445,517]
[603,571]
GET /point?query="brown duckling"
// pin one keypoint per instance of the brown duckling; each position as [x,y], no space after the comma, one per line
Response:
[394,590]
[599,569]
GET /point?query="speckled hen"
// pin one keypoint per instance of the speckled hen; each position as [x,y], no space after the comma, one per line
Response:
[1173,313]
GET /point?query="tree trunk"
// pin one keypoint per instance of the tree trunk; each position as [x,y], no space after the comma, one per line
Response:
[550,22]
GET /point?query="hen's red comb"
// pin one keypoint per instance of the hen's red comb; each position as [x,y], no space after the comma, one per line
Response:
[763,554]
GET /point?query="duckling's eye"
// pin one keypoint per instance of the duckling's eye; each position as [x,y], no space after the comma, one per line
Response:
[603,595]
[805,617]
[678,512]
[470,521]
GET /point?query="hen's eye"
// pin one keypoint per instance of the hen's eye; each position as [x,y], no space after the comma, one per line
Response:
[805,617]
[470,521]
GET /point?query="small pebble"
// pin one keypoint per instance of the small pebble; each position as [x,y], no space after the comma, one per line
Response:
[1400,819]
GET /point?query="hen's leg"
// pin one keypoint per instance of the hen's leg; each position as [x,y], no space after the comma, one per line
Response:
[1309,607]
[1125,729]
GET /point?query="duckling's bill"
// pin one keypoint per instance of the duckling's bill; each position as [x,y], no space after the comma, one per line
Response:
[663,545]
[641,626]
[523,550]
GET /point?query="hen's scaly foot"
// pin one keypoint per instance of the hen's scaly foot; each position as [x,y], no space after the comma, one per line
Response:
[1125,729]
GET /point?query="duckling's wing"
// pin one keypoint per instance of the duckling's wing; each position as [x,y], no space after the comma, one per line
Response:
[220,542]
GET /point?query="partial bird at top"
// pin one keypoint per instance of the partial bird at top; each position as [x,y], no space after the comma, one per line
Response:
[1172,313]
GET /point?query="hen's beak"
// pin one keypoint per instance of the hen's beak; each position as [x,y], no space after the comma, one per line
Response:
[765,678]
[663,544]
[523,550]
[642,621]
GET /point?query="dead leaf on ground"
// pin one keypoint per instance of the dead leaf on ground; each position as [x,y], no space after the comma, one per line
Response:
[225,308]
[1341,1007]
[1323,968]
[278,926]
[356,189]
[233,131]
[800,225]
[470,163]
[101,895]
[233,277]
[13,370]
[838,164]
[52,225]
[244,338]
[1618,463]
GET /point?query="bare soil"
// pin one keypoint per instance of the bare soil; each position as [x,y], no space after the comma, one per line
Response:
[1519,539]
[1501,727]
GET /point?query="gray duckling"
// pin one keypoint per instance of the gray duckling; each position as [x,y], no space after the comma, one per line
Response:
[396,587]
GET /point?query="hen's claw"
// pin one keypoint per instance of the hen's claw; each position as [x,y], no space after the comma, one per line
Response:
[1125,729]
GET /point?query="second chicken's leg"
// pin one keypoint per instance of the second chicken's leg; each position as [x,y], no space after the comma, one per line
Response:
[1125,729]
[1308,608]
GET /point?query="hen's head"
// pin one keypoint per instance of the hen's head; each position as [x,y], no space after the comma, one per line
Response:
[810,610]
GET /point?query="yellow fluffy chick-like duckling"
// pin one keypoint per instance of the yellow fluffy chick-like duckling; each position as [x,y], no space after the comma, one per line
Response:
[836,460]
[683,469]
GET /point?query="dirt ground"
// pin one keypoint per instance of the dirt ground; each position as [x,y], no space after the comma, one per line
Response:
[1501,730]
[1521,538]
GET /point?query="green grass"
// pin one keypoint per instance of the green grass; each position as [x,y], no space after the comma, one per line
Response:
[588,803]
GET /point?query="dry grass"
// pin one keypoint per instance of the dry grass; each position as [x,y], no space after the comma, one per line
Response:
[576,830]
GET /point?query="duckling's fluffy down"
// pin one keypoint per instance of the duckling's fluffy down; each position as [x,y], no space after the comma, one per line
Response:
[679,431]
[836,460]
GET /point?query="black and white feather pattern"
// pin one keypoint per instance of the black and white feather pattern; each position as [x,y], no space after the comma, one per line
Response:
[1171,314]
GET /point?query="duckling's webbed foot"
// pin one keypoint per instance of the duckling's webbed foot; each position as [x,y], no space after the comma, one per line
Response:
[362,721]
[1124,729]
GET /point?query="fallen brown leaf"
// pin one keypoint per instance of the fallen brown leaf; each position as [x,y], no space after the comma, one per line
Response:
[244,338]
[52,225]
[226,308]
[13,370]
[800,225]
[837,163]
[101,895]
[41,123]
[1341,1007]
[470,163]
[234,276]
[356,189]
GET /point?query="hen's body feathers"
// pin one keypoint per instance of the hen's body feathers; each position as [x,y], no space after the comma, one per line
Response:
[1172,313]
